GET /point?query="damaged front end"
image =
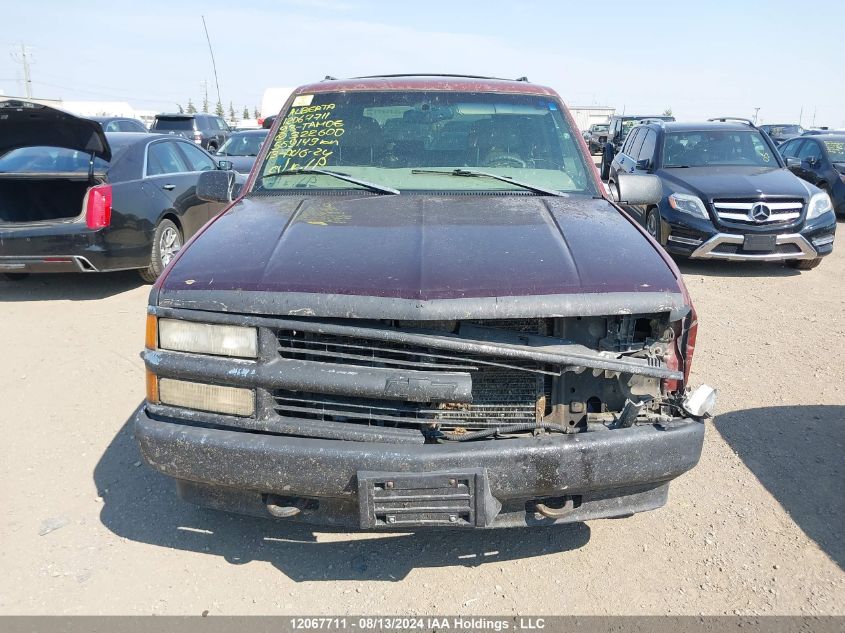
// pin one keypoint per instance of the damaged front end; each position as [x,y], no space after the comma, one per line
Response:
[493,403]
[441,381]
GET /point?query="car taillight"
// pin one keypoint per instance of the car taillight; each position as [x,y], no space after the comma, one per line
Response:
[98,208]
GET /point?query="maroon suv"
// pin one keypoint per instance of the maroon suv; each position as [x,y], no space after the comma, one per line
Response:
[422,310]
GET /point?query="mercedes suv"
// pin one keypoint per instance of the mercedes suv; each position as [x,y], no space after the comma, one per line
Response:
[727,194]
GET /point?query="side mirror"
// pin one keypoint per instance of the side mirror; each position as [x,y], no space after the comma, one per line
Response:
[638,190]
[793,162]
[216,186]
[225,165]
[644,164]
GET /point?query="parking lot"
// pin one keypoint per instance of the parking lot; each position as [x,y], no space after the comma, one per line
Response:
[755,528]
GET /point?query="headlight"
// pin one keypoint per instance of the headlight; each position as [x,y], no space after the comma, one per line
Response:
[820,203]
[202,397]
[205,338]
[691,205]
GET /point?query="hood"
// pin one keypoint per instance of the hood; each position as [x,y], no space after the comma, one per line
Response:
[735,182]
[416,249]
[27,124]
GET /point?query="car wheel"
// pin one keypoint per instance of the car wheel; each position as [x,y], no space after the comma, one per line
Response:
[804,264]
[14,276]
[652,223]
[167,241]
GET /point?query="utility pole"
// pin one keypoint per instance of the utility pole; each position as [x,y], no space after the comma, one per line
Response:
[23,58]
[756,110]
[204,84]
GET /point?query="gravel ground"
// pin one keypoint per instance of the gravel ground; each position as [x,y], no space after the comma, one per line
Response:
[755,528]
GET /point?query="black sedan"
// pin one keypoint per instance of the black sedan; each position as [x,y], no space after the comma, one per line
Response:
[241,148]
[74,199]
[819,159]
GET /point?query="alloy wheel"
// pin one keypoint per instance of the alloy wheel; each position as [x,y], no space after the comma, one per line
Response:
[169,244]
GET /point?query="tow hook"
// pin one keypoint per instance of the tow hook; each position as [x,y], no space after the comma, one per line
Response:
[287,507]
[555,512]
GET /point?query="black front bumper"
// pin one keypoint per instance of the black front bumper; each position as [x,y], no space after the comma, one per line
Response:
[697,238]
[598,474]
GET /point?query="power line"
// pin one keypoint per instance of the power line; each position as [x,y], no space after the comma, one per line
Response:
[102,94]
[213,64]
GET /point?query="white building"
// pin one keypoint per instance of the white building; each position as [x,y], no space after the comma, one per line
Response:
[585,116]
[273,100]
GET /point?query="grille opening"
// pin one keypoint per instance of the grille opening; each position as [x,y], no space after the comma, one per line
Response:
[501,397]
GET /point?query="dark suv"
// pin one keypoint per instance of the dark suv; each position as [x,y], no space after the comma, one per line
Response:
[206,130]
[726,194]
[617,131]
[819,159]
[422,311]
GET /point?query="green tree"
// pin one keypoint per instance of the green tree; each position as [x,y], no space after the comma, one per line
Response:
[191,109]
[218,109]
[667,112]
[246,112]
[181,110]
[256,113]
[231,112]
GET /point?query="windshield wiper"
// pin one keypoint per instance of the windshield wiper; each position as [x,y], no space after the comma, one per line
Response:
[676,167]
[466,173]
[382,189]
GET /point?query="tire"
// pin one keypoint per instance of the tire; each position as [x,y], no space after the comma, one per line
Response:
[167,240]
[652,224]
[803,264]
[14,276]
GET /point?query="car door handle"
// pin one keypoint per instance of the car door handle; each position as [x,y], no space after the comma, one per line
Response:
[169,187]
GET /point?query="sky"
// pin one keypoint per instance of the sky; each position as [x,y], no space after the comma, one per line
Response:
[700,59]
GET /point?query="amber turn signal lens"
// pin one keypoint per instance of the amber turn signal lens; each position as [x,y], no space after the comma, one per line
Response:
[151,339]
[152,387]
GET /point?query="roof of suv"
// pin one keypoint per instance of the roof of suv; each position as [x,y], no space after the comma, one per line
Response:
[427,82]
[671,126]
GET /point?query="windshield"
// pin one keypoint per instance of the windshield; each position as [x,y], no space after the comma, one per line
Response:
[628,125]
[173,124]
[243,144]
[783,130]
[600,128]
[382,137]
[836,150]
[42,160]
[715,148]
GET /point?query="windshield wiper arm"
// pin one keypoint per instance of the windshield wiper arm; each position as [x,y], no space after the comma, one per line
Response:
[466,173]
[382,189]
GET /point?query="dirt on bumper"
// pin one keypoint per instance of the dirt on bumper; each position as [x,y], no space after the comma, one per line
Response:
[494,483]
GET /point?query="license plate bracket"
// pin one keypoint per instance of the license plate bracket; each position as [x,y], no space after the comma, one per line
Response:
[760,243]
[453,498]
